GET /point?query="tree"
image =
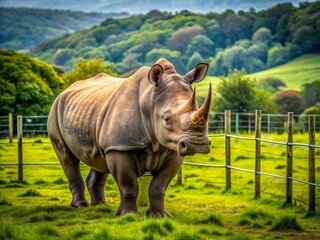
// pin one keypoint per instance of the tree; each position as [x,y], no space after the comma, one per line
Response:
[311,93]
[215,33]
[278,54]
[259,51]
[271,84]
[180,39]
[194,60]
[238,93]
[236,27]
[234,58]
[173,56]
[87,69]
[201,44]
[305,37]
[27,86]
[62,56]
[262,35]
[312,110]
[289,101]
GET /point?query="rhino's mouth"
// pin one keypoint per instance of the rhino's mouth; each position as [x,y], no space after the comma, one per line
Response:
[190,147]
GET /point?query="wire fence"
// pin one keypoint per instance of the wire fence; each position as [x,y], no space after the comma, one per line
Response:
[31,126]
[36,126]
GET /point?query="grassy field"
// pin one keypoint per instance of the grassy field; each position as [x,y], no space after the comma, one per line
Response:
[202,208]
[295,73]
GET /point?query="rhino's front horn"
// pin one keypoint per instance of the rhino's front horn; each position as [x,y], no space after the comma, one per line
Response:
[191,105]
[200,117]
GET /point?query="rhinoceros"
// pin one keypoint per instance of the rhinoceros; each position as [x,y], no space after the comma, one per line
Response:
[127,127]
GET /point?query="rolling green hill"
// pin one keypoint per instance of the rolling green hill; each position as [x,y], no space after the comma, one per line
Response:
[247,40]
[295,73]
[24,28]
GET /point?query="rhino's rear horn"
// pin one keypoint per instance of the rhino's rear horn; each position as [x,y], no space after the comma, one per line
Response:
[191,105]
[200,117]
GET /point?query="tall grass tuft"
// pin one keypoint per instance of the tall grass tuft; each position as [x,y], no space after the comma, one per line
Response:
[49,231]
[31,193]
[213,219]
[102,234]
[79,232]
[153,227]
[7,230]
[286,223]
[59,181]
[184,235]
[4,202]
[256,214]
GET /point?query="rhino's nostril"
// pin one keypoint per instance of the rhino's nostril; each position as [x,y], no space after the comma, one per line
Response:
[182,147]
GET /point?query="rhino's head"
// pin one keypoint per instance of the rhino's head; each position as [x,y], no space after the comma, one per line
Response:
[179,124]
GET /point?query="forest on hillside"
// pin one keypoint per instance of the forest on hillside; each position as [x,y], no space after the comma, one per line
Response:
[144,6]
[24,28]
[252,40]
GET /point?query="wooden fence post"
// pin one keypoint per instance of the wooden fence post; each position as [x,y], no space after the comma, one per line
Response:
[10,127]
[237,126]
[258,153]
[268,123]
[227,128]
[249,123]
[289,159]
[312,172]
[20,151]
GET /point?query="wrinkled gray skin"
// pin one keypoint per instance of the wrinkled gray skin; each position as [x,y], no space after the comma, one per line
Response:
[126,127]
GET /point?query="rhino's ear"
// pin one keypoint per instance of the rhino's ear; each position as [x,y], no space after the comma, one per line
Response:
[155,74]
[197,74]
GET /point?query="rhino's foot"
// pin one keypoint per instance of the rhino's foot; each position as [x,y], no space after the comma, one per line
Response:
[158,213]
[79,204]
[122,211]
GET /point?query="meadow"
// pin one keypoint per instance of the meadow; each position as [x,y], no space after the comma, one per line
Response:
[201,207]
[304,69]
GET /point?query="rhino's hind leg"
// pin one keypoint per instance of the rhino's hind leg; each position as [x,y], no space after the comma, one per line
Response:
[71,168]
[122,168]
[95,183]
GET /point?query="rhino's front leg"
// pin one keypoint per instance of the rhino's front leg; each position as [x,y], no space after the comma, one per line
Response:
[159,184]
[123,169]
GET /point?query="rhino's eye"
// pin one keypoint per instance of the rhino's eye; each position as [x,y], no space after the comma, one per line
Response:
[167,120]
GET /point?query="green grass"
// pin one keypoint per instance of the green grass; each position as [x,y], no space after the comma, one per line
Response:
[304,69]
[202,208]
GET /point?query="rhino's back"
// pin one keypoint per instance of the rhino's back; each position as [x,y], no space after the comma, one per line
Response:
[75,112]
